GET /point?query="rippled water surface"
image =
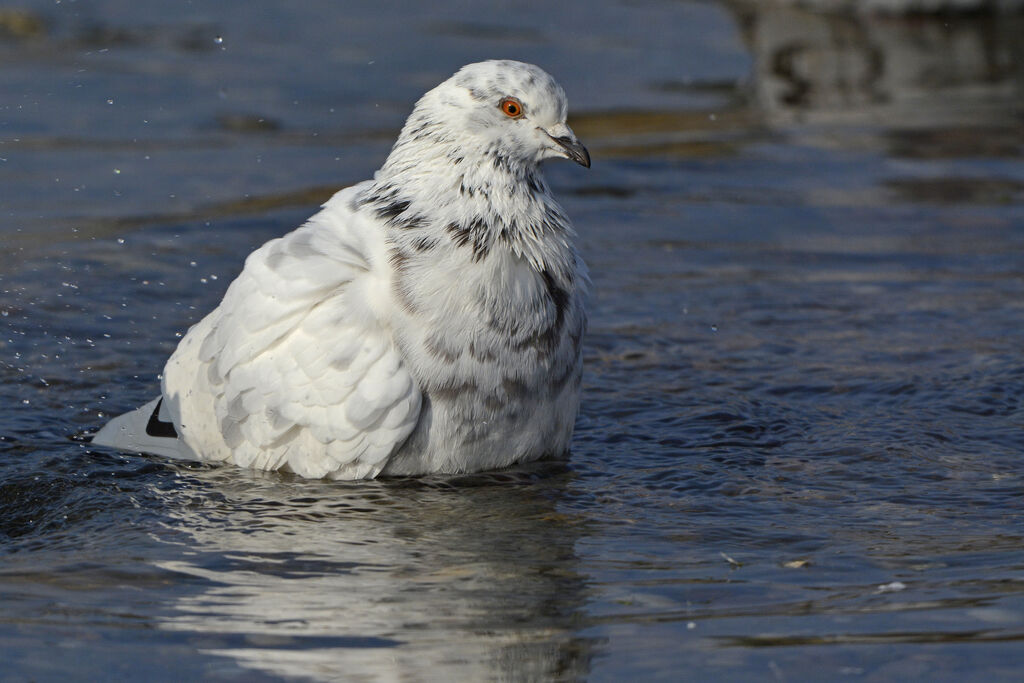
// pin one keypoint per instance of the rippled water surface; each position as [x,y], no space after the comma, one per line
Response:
[799,455]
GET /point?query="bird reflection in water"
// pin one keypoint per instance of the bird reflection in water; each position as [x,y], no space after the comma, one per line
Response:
[473,577]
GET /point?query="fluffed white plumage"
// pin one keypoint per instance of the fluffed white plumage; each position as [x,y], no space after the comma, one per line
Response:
[428,320]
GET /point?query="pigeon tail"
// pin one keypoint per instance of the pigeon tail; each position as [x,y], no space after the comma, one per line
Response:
[148,429]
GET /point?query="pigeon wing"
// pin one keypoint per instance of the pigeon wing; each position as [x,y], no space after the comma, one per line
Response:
[297,369]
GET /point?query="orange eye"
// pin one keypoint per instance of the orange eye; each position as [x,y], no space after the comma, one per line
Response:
[511,107]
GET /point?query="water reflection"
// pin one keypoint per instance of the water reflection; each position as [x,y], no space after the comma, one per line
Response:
[474,578]
[879,68]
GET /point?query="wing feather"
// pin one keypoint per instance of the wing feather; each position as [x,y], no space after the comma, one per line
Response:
[294,369]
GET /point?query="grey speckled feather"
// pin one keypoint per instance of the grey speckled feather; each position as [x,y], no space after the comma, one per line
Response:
[428,320]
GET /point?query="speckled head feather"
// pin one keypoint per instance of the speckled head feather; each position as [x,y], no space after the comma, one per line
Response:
[465,109]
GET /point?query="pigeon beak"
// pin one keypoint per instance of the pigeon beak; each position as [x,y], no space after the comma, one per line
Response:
[574,150]
[563,136]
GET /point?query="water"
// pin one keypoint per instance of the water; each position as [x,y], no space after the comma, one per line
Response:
[800,449]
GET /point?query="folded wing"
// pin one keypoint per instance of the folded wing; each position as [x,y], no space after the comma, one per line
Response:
[297,368]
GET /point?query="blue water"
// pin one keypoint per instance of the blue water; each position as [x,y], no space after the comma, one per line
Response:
[800,453]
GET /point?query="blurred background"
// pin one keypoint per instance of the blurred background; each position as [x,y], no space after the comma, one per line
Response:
[799,455]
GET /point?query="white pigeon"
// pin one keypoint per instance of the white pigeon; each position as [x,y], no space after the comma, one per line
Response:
[428,320]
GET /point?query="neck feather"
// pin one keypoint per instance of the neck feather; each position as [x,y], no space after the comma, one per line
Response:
[430,191]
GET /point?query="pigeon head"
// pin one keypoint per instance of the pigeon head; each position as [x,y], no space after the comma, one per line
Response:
[507,114]
[465,167]
[513,109]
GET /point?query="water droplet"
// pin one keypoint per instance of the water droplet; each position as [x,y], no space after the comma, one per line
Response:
[110,100]
[714,328]
[892,587]
[219,40]
[120,240]
[117,171]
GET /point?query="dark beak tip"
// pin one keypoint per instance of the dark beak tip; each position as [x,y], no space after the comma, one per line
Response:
[579,154]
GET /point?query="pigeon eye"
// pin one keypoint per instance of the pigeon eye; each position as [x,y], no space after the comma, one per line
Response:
[511,107]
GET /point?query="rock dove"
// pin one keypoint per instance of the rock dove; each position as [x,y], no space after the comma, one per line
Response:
[426,321]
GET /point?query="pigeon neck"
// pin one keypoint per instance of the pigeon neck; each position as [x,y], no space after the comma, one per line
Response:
[482,205]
